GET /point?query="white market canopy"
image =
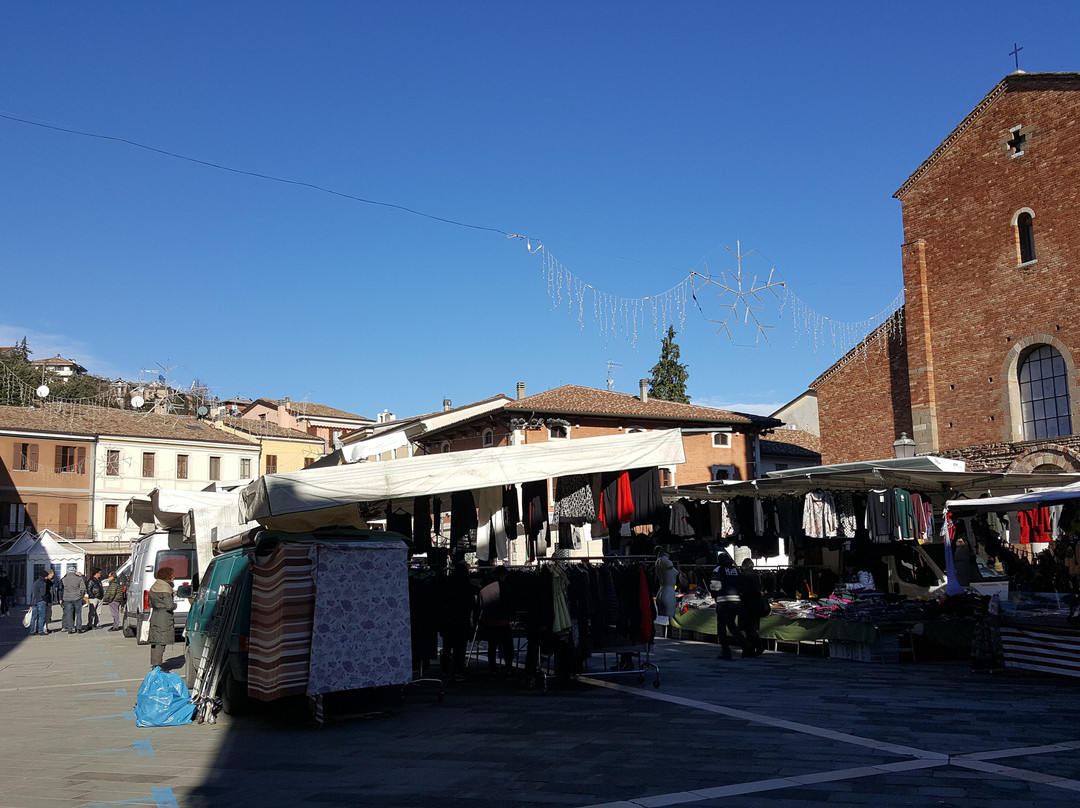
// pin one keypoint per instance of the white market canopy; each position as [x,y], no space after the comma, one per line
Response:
[1015,502]
[204,517]
[277,495]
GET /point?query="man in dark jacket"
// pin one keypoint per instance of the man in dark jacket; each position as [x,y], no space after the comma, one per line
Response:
[114,596]
[750,608]
[724,587]
[72,596]
[39,601]
[6,593]
[94,593]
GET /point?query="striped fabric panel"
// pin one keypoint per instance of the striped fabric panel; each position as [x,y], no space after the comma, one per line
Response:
[282,610]
[1045,650]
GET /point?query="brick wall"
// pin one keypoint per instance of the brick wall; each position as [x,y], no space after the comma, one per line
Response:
[979,302]
[863,400]
[971,308]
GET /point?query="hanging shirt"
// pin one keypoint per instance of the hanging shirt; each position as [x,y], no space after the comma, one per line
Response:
[845,514]
[574,499]
[881,515]
[819,515]
[905,515]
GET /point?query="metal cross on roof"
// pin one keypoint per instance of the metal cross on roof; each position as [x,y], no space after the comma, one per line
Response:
[1015,53]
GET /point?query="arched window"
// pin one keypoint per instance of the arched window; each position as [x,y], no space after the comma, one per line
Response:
[445,446]
[488,438]
[1044,394]
[1025,235]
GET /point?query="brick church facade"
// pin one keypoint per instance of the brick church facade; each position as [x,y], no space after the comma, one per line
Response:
[981,362]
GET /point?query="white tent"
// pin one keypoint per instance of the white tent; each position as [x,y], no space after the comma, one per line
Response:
[335,491]
[1014,502]
[204,517]
[30,552]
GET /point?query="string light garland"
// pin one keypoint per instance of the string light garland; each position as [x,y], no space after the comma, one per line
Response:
[740,297]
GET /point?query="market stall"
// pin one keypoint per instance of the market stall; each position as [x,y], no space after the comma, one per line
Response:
[30,554]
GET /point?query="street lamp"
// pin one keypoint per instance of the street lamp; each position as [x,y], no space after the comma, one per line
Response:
[904,446]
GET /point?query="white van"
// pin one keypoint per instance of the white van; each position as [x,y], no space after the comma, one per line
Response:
[162,548]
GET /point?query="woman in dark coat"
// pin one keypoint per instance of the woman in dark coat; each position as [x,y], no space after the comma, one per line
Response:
[162,605]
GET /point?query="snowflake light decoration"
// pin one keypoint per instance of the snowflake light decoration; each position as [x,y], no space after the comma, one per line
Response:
[740,296]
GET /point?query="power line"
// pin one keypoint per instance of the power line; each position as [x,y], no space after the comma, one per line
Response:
[256,174]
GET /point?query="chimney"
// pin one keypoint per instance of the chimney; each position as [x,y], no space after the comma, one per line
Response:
[520,390]
[287,401]
[643,387]
[447,405]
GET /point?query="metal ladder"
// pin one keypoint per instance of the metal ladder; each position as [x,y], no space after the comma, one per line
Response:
[212,658]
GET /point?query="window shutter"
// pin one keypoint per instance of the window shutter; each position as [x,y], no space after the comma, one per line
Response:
[31,515]
[59,459]
[80,459]
[16,457]
[32,456]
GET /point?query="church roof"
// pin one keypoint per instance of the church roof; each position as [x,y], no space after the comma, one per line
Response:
[1012,82]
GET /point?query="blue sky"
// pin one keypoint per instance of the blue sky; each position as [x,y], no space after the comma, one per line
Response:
[636,142]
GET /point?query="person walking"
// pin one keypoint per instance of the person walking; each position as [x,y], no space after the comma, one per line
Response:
[7,592]
[162,605]
[72,596]
[724,587]
[39,600]
[95,592]
[114,597]
[52,595]
[750,608]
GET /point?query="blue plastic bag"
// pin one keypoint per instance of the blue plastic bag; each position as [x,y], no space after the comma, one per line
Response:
[163,701]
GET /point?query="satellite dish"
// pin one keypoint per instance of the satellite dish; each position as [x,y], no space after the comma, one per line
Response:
[43,391]
[202,412]
[137,402]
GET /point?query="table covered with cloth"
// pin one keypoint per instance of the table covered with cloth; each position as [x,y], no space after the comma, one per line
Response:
[785,629]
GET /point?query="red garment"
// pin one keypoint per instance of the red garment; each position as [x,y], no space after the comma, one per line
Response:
[626,501]
[645,602]
[1034,525]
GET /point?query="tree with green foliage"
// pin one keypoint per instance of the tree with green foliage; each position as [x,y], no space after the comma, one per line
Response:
[669,375]
[18,378]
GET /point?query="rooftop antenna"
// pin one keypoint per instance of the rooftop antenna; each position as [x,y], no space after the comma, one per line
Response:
[611,365]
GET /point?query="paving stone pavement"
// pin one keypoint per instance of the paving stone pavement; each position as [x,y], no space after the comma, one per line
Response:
[782,731]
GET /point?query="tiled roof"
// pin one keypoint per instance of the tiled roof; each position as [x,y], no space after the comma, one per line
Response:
[307,408]
[267,429]
[792,443]
[573,399]
[77,419]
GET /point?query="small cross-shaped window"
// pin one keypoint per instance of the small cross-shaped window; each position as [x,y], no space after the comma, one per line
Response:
[1016,142]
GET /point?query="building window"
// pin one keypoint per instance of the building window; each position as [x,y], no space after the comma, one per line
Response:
[1044,394]
[1025,235]
[26,456]
[782,467]
[487,438]
[558,432]
[181,467]
[15,520]
[112,463]
[147,464]
[245,467]
[271,464]
[308,461]
[721,440]
[70,459]
[725,472]
[445,446]
[665,477]
[215,468]
[111,512]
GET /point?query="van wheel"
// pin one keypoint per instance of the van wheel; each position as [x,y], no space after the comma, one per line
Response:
[234,697]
